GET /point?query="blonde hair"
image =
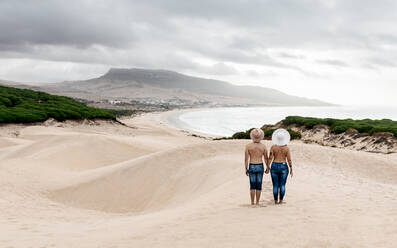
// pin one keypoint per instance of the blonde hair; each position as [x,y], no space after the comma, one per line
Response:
[257,135]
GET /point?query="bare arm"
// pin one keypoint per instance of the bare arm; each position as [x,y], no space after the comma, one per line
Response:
[289,162]
[246,158]
[270,159]
[265,156]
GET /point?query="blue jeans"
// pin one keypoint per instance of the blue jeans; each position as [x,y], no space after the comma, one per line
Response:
[279,173]
[256,174]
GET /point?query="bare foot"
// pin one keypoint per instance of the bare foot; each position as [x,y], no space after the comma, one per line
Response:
[281,202]
[276,202]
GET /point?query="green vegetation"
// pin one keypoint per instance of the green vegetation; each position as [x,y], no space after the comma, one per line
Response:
[342,125]
[267,134]
[24,106]
[336,125]
[126,112]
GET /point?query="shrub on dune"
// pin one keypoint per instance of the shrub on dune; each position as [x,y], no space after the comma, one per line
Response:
[24,106]
[342,125]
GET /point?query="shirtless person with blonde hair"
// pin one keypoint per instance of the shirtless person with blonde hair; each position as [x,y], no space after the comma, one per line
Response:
[255,153]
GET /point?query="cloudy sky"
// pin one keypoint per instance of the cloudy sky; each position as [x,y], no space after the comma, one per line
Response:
[342,51]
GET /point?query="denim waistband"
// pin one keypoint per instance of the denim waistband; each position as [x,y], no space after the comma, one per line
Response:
[257,164]
[278,163]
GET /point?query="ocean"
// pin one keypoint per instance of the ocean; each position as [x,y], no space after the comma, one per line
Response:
[227,121]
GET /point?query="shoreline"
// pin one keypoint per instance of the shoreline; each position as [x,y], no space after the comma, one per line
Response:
[259,116]
[171,119]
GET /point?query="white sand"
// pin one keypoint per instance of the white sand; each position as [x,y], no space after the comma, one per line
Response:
[155,186]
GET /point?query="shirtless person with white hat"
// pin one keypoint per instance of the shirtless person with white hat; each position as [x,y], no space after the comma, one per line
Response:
[279,155]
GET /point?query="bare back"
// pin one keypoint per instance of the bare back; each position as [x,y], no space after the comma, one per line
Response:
[255,152]
[280,154]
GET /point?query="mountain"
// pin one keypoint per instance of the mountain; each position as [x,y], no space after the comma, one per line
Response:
[164,86]
[174,80]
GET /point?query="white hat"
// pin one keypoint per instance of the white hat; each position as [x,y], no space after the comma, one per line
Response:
[281,137]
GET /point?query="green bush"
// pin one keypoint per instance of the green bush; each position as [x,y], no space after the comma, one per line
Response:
[342,125]
[268,132]
[339,129]
[24,106]
[124,112]
[241,135]
[294,134]
[336,126]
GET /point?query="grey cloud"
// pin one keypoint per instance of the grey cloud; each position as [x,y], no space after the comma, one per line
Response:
[379,61]
[333,62]
[219,69]
[167,33]
[288,22]
[290,56]
[268,74]
[388,38]
[72,23]
[370,66]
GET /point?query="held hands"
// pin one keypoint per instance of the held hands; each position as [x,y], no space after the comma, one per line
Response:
[267,170]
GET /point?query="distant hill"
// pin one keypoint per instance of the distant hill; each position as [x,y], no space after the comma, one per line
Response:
[24,106]
[174,80]
[168,86]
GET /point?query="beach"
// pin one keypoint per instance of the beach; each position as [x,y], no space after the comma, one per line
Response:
[150,184]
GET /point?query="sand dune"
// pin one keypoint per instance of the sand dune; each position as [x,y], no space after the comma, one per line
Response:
[124,187]
[109,185]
